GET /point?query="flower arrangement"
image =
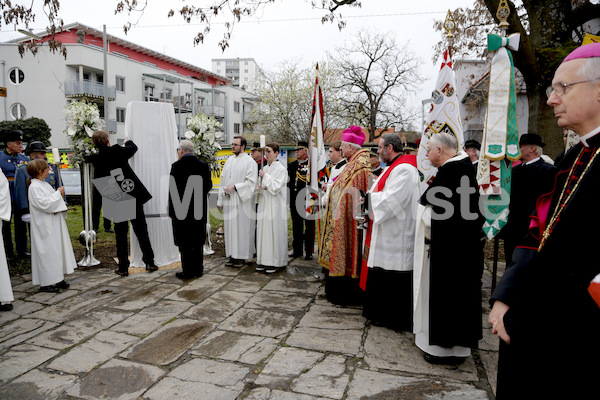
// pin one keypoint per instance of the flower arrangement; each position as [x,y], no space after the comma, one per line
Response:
[203,133]
[82,119]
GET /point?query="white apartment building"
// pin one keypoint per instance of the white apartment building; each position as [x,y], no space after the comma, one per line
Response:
[243,72]
[42,85]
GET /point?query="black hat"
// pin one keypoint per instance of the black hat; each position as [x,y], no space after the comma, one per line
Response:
[35,146]
[531,138]
[256,146]
[472,144]
[302,145]
[409,146]
[12,136]
[374,153]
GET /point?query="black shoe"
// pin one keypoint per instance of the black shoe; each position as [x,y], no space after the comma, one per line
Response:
[431,359]
[25,255]
[229,263]
[272,270]
[183,276]
[296,254]
[260,268]
[151,268]
[122,273]
[238,263]
[6,307]
[308,257]
[49,289]
[109,230]
[63,284]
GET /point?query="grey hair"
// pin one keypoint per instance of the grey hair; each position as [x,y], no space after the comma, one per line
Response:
[186,146]
[356,146]
[539,151]
[590,69]
[445,141]
[394,140]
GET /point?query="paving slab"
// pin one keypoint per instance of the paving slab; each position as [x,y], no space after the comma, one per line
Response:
[199,289]
[117,379]
[151,318]
[234,346]
[96,351]
[259,322]
[142,297]
[391,350]
[345,341]
[218,306]
[38,385]
[285,285]
[264,393]
[176,389]
[168,343]
[332,317]
[279,301]
[22,329]
[251,283]
[22,307]
[375,385]
[328,378]
[20,359]
[51,298]
[286,364]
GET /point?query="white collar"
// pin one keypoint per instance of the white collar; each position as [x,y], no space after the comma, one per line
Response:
[532,161]
[590,135]
[459,156]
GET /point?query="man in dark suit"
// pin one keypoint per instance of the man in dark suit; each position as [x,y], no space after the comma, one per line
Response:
[112,161]
[530,179]
[303,229]
[189,214]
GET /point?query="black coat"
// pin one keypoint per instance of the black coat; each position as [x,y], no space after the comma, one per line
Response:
[296,182]
[456,259]
[187,228]
[110,159]
[553,322]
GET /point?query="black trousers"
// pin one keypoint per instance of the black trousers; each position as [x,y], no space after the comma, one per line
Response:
[141,231]
[96,206]
[303,231]
[20,233]
[192,259]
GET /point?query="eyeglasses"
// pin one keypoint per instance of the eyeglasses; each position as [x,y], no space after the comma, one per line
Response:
[559,87]
[235,145]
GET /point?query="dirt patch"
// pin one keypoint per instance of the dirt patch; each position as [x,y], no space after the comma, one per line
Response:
[113,382]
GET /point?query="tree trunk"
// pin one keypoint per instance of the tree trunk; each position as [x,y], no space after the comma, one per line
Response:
[543,122]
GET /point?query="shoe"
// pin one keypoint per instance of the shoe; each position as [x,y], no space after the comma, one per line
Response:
[308,257]
[431,359]
[296,254]
[108,230]
[122,273]
[272,270]
[229,263]
[183,276]
[49,289]
[238,264]
[24,255]
[6,307]
[151,268]
[260,268]
[63,284]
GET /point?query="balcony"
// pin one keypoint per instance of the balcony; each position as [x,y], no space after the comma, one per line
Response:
[75,89]
[214,111]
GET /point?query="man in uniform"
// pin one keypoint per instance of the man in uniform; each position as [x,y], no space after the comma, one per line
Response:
[303,229]
[472,148]
[10,159]
[376,168]
[544,307]
[35,150]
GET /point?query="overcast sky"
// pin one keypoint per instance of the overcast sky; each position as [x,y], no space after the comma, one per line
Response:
[285,30]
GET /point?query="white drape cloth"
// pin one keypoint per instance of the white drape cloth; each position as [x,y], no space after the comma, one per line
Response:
[238,208]
[153,128]
[272,232]
[6,293]
[394,213]
[421,290]
[51,251]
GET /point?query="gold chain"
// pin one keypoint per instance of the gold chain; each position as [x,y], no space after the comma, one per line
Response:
[560,205]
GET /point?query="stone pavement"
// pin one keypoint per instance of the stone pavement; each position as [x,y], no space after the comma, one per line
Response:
[232,334]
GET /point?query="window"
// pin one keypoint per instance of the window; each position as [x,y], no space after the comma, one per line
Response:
[246,71]
[229,62]
[149,92]
[120,83]
[120,115]
[18,111]
[236,106]
[218,62]
[99,78]
[218,71]
[16,76]
[236,128]
[245,62]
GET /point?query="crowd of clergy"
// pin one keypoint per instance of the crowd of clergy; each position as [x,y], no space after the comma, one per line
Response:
[412,259]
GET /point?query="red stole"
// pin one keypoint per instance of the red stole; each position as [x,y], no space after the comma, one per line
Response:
[405,159]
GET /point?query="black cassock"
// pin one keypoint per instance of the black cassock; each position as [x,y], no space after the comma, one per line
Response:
[553,322]
[456,258]
[189,228]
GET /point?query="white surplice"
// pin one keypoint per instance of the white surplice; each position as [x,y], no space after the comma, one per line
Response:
[272,232]
[51,251]
[394,214]
[421,290]
[6,293]
[238,208]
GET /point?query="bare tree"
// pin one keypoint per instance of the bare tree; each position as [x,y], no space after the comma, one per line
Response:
[377,78]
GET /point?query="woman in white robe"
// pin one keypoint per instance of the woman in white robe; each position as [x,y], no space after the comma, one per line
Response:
[6,293]
[51,251]
[272,232]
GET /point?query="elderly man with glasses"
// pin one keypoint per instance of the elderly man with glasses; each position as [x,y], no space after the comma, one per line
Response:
[546,308]
[236,201]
